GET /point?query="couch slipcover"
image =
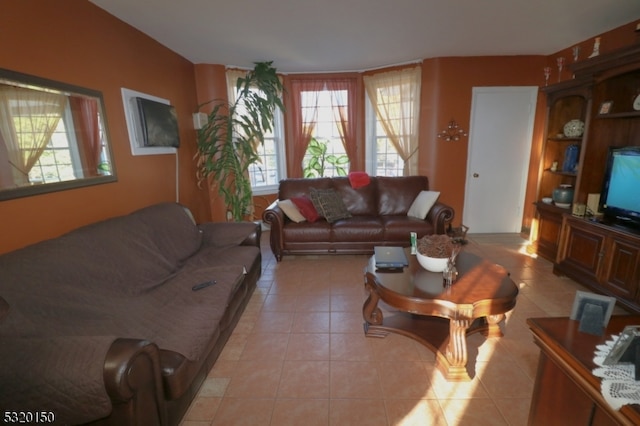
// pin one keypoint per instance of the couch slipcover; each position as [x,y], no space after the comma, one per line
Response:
[103,325]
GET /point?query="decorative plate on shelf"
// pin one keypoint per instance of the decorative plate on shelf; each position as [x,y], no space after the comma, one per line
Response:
[574,129]
[636,103]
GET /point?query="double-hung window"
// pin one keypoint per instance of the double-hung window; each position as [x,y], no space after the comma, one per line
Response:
[326,155]
[39,140]
[324,126]
[393,115]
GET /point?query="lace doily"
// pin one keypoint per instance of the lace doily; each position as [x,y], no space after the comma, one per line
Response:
[618,385]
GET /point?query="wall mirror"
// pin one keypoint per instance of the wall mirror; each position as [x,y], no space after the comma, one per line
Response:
[53,137]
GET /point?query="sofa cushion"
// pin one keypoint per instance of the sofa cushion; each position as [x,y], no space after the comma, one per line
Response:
[329,204]
[296,187]
[358,228]
[306,208]
[398,227]
[172,229]
[4,308]
[396,194]
[291,211]
[308,232]
[359,201]
[422,204]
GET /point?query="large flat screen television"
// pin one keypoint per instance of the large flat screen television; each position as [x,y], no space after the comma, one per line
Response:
[620,197]
[158,123]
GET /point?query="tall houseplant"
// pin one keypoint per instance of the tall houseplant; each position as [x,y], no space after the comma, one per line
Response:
[228,141]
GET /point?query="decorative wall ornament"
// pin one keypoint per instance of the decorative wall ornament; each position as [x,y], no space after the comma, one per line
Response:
[453,132]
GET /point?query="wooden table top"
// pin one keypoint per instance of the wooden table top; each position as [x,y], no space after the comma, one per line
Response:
[575,350]
[482,287]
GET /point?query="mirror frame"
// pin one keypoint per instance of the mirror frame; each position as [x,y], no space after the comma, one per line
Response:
[27,191]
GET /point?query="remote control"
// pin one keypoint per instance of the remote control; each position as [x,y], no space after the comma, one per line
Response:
[203,285]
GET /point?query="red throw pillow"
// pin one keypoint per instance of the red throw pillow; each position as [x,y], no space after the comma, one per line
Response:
[306,207]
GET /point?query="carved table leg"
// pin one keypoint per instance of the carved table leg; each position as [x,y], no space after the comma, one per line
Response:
[454,366]
[493,326]
[370,311]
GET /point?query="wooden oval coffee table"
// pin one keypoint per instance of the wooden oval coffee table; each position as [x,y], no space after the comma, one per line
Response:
[440,317]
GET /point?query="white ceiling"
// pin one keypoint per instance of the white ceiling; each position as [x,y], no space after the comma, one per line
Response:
[350,35]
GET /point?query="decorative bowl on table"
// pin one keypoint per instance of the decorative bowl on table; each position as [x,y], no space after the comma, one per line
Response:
[433,264]
[434,251]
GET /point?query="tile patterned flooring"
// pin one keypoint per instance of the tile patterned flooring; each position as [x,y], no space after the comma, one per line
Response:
[299,355]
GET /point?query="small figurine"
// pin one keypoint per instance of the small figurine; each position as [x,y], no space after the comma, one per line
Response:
[596,48]
[576,53]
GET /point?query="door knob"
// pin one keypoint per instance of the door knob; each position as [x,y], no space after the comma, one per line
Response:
[475,175]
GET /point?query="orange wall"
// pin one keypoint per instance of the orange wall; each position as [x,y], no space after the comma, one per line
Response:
[78,43]
[447,85]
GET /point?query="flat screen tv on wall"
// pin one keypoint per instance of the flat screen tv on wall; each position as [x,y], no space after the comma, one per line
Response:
[158,123]
[620,198]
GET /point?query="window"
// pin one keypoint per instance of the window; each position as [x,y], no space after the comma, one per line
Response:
[265,175]
[325,155]
[393,113]
[59,160]
[382,157]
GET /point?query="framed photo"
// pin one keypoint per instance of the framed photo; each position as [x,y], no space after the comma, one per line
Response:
[627,340]
[584,298]
[605,107]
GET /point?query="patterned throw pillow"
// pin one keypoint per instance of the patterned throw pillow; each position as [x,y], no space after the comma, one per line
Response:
[329,204]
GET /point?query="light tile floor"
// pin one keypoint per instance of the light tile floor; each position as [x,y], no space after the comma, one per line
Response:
[299,355]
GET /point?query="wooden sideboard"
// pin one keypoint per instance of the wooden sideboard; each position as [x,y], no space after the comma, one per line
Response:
[565,392]
[603,257]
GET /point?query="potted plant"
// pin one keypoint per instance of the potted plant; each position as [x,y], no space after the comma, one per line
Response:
[227,142]
[319,159]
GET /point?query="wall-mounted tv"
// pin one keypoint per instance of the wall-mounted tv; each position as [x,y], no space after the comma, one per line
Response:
[620,197]
[158,123]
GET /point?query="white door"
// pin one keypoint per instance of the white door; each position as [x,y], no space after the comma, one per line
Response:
[498,161]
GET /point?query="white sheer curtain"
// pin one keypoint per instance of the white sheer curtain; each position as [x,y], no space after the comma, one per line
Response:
[395,96]
[28,118]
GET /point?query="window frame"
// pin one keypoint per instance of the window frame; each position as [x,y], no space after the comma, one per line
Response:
[371,140]
[279,142]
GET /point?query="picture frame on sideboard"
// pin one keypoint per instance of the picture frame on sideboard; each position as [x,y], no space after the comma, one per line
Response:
[583,299]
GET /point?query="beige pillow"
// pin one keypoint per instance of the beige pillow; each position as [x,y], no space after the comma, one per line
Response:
[291,211]
[422,204]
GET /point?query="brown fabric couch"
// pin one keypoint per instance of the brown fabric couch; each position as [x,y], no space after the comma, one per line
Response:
[378,217]
[101,325]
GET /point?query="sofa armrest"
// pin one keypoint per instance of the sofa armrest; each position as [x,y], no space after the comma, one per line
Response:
[132,378]
[221,234]
[274,217]
[59,374]
[440,216]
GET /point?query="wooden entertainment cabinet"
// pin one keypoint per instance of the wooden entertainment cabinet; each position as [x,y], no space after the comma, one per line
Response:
[601,94]
[601,256]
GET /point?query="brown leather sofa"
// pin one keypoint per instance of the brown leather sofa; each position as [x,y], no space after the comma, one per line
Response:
[102,326]
[378,217]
